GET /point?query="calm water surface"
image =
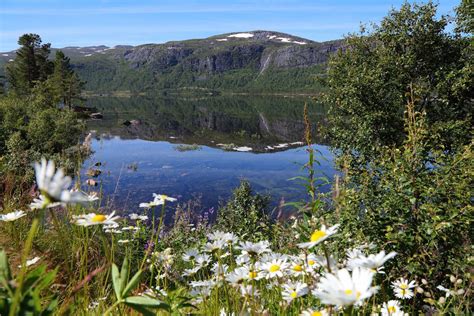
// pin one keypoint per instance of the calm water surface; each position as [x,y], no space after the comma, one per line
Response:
[142,157]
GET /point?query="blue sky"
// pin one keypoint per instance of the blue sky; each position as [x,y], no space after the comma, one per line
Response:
[86,22]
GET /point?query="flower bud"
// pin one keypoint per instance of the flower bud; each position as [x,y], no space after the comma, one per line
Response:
[442,300]
[452,278]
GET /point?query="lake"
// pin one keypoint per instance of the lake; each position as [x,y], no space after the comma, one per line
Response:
[199,149]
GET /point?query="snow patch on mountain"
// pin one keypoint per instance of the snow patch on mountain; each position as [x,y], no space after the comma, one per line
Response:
[241,35]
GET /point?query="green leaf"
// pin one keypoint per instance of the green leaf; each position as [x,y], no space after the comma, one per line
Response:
[145,301]
[124,274]
[5,274]
[116,281]
[132,284]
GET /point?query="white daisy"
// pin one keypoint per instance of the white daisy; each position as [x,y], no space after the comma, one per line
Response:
[314,312]
[12,216]
[274,268]
[190,254]
[343,289]
[372,262]
[237,276]
[296,268]
[402,288]
[41,202]
[54,185]
[202,260]
[447,291]
[294,290]
[319,236]
[151,204]
[392,308]
[215,245]
[249,291]
[254,249]
[95,219]
[163,197]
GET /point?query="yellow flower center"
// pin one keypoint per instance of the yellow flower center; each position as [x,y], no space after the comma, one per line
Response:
[297,268]
[317,235]
[403,286]
[349,292]
[274,268]
[294,294]
[392,309]
[252,274]
[311,262]
[98,218]
[316,314]
[163,196]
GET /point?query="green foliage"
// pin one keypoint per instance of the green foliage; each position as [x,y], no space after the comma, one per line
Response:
[367,82]
[35,285]
[64,82]
[415,200]
[30,65]
[31,129]
[245,214]
[123,287]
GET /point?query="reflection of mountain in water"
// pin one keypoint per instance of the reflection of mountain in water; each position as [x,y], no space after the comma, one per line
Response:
[256,122]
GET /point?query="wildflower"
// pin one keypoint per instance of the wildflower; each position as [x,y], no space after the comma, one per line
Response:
[95,219]
[249,291]
[242,259]
[133,216]
[190,254]
[274,268]
[192,271]
[127,228]
[163,197]
[447,291]
[31,262]
[54,185]
[41,202]
[237,276]
[164,258]
[402,288]
[392,308]
[254,249]
[152,204]
[372,262]
[343,289]
[215,245]
[314,312]
[12,216]
[202,260]
[294,290]
[297,268]
[319,236]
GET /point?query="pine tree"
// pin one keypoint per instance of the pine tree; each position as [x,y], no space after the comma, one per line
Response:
[64,82]
[30,65]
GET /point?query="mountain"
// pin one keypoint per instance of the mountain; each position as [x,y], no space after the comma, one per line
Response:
[257,61]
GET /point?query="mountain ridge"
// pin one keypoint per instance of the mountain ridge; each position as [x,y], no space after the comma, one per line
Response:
[239,61]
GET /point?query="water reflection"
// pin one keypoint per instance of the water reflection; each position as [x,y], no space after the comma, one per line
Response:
[139,142]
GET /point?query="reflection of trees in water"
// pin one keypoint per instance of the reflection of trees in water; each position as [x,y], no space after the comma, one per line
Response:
[253,121]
